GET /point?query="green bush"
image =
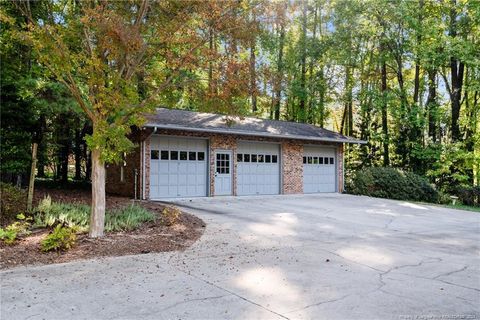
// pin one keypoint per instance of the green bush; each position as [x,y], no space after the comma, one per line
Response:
[61,238]
[12,202]
[19,228]
[469,196]
[78,216]
[392,184]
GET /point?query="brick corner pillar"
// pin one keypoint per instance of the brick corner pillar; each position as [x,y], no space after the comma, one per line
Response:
[292,167]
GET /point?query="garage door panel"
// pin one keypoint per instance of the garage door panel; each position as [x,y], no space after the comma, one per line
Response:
[319,170]
[162,180]
[256,174]
[180,168]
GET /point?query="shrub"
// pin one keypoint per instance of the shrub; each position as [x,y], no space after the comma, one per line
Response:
[392,184]
[444,198]
[12,202]
[127,218]
[78,216]
[469,196]
[8,235]
[50,214]
[16,229]
[170,215]
[61,238]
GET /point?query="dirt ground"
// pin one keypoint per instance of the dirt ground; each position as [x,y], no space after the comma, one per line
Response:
[150,237]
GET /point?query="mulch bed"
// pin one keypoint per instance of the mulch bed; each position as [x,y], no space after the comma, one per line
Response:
[150,237]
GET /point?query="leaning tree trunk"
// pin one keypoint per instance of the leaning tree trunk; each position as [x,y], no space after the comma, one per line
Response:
[97,218]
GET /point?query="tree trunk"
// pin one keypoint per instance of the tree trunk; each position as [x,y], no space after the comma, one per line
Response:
[279,75]
[64,141]
[386,156]
[210,63]
[78,153]
[457,68]
[431,104]
[344,120]
[31,183]
[253,76]
[456,72]
[349,105]
[416,88]
[97,218]
[41,141]
[311,114]
[405,113]
[303,62]
[321,102]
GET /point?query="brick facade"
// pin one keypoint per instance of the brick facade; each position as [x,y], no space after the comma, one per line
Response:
[126,187]
[292,167]
[291,162]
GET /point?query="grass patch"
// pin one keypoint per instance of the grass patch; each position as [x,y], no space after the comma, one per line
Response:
[127,218]
[463,207]
[77,216]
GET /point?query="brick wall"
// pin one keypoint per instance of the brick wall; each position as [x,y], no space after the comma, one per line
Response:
[292,167]
[340,167]
[291,162]
[126,187]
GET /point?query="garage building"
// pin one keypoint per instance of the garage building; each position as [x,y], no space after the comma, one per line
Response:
[191,154]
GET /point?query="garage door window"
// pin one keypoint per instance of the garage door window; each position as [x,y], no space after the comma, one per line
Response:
[258,158]
[173,155]
[154,154]
[317,160]
[164,155]
[223,163]
[183,155]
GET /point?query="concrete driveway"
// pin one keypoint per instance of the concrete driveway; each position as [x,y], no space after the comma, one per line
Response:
[296,257]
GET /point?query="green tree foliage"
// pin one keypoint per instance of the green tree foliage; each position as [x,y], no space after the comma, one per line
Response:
[403,75]
[117,58]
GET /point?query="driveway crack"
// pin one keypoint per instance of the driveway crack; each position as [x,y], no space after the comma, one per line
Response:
[228,291]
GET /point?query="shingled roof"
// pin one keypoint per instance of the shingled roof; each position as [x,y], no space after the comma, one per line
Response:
[216,123]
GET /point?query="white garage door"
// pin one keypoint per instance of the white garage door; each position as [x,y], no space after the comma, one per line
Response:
[178,167]
[258,169]
[319,170]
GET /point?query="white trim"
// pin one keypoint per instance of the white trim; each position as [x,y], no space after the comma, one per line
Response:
[254,134]
[232,170]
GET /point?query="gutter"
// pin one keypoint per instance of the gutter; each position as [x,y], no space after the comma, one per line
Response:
[253,134]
